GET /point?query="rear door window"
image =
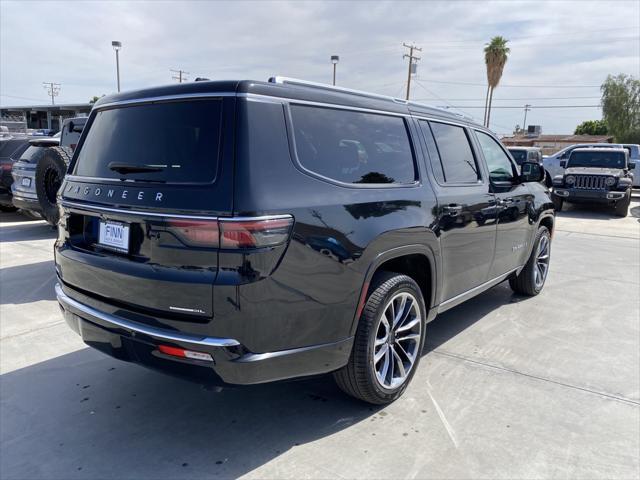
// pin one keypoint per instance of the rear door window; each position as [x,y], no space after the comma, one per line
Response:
[457,162]
[169,142]
[353,147]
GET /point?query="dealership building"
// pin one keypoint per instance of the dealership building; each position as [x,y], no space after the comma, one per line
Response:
[18,119]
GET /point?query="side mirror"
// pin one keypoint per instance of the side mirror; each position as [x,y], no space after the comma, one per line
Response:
[632,166]
[563,164]
[531,172]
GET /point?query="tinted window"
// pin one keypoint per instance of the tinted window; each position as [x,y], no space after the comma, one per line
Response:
[353,147]
[500,167]
[175,142]
[597,159]
[13,148]
[30,154]
[519,155]
[456,156]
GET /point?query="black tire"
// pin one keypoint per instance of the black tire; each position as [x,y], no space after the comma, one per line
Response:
[622,206]
[526,282]
[7,208]
[557,202]
[50,173]
[358,378]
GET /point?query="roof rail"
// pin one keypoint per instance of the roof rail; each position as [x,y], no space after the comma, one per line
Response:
[324,86]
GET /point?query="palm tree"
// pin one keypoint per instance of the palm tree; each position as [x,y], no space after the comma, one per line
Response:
[495,56]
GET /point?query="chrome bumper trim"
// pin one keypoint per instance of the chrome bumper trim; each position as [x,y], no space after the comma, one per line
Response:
[156,333]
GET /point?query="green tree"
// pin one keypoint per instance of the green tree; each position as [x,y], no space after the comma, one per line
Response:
[496,53]
[621,107]
[592,127]
[95,98]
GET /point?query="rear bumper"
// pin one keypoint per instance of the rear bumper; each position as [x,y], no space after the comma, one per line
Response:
[232,362]
[596,196]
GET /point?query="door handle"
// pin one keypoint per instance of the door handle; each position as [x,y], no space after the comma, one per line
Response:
[452,210]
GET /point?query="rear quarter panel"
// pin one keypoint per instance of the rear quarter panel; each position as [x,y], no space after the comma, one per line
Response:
[312,295]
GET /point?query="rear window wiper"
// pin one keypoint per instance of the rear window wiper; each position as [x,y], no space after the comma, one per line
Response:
[125,168]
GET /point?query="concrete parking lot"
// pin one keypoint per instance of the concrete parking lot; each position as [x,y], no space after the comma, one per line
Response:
[509,387]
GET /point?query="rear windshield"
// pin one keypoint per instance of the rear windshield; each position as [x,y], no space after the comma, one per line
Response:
[172,142]
[519,156]
[597,159]
[30,154]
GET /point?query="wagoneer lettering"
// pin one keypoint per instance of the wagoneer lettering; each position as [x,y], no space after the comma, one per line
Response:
[285,229]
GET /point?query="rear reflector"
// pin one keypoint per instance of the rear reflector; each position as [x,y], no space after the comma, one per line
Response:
[181,352]
[231,233]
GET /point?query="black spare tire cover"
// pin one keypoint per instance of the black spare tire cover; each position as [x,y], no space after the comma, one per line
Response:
[50,172]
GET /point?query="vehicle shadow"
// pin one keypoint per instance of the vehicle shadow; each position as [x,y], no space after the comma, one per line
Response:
[27,230]
[109,419]
[27,283]
[578,210]
[450,323]
[6,217]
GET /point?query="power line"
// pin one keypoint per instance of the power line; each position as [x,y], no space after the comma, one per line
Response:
[413,62]
[180,75]
[532,106]
[53,89]
[509,86]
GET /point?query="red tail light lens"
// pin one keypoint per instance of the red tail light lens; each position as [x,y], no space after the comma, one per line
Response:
[233,233]
[255,233]
[199,233]
[6,167]
[181,352]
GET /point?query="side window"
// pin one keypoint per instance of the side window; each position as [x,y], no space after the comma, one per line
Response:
[500,167]
[353,147]
[456,157]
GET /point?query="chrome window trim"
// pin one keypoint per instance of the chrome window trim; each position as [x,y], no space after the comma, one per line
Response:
[96,208]
[163,98]
[154,332]
[285,100]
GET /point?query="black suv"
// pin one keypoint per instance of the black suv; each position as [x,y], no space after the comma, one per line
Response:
[239,232]
[596,175]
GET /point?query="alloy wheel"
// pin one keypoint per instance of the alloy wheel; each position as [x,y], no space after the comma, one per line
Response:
[397,340]
[541,267]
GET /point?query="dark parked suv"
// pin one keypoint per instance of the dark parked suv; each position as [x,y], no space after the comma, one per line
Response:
[247,232]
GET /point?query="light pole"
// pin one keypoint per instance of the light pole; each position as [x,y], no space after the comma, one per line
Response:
[117,46]
[334,59]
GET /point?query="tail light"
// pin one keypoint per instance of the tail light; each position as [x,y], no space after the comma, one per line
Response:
[255,233]
[199,233]
[234,233]
[6,167]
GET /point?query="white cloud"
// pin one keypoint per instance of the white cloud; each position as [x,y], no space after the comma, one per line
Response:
[553,44]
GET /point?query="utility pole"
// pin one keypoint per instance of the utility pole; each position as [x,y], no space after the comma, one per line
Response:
[411,62]
[53,89]
[527,108]
[181,75]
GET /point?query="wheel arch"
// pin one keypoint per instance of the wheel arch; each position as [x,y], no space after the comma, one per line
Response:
[415,261]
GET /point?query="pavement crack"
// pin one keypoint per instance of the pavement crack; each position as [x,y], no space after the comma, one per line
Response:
[536,377]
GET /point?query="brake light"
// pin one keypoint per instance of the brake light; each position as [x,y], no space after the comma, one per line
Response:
[254,233]
[6,167]
[181,352]
[233,233]
[200,233]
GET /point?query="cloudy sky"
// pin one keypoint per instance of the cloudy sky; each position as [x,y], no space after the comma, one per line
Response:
[561,52]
